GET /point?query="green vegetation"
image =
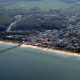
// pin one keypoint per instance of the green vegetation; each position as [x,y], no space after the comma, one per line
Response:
[42,4]
[60,22]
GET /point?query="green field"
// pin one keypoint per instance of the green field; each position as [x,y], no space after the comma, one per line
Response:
[54,4]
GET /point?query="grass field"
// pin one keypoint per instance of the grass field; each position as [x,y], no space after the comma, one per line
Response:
[46,4]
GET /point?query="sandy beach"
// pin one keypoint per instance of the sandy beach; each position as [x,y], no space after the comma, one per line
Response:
[8,43]
[58,52]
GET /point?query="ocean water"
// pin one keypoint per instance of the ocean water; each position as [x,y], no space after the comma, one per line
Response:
[33,64]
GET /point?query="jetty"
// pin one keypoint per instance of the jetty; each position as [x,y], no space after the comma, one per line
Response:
[10,48]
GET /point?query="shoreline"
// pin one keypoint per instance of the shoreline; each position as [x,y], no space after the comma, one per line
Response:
[58,52]
[54,51]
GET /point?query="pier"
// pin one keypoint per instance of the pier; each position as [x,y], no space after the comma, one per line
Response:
[10,48]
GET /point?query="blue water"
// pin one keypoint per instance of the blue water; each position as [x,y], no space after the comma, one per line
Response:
[32,64]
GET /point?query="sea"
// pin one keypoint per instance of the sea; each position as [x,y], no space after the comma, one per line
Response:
[33,64]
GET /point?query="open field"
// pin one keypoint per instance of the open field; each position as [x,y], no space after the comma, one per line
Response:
[49,4]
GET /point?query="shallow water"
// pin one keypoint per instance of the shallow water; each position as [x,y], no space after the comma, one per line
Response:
[33,64]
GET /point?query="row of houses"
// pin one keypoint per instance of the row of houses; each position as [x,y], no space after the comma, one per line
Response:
[40,39]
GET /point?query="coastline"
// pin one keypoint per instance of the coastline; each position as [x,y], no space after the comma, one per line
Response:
[58,52]
[54,51]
